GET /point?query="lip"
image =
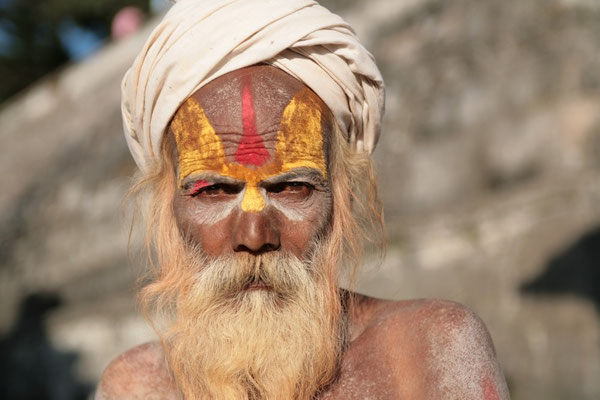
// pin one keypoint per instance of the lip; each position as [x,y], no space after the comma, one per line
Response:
[258,285]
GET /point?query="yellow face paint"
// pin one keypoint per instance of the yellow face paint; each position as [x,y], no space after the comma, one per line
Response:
[299,144]
[300,136]
[253,201]
[198,146]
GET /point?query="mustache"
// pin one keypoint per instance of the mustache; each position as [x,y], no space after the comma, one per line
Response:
[232,275]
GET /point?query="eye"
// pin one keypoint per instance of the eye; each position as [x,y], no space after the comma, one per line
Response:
[217,189]
[299,189]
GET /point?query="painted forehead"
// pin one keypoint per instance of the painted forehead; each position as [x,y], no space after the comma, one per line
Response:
[249,125]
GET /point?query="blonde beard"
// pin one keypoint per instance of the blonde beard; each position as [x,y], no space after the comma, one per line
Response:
[227,342]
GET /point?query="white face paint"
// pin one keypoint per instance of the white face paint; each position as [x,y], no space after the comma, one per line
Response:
[290,194]
[210,214]
[293,214]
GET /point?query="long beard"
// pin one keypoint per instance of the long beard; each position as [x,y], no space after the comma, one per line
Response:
[255,327]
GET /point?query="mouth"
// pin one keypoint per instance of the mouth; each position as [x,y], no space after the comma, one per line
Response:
[257,284]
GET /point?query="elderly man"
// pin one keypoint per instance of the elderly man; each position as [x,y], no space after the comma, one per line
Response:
[252,122]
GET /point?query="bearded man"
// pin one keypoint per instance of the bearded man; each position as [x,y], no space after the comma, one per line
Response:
[252,123]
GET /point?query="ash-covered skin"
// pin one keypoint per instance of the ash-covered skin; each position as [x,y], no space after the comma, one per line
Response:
[418,349]
[140,373]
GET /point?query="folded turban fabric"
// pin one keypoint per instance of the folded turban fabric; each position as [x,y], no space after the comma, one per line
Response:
[200,40]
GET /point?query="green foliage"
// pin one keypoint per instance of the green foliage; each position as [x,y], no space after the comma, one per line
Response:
[31,46]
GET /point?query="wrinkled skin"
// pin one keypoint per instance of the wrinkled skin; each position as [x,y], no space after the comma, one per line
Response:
[297,202]
[421,349]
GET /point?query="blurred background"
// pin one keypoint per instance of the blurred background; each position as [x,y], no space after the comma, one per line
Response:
[489,169]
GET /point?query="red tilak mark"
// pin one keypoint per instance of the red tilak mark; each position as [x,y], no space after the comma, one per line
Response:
[199,185]
[251,150]
[489,389]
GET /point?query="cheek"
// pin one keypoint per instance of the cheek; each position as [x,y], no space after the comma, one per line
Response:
[215,240]
[206,225]
[292,213]
[301,223]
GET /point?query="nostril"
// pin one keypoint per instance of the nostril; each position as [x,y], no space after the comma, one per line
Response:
[242,248]
[270,247]
[267,247]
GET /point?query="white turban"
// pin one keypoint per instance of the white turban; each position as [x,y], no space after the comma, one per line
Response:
[200,40]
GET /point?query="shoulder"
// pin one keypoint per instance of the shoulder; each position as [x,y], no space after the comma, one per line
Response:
[429,316]
[442,320]
[442,344]
[433,321]
[139,373]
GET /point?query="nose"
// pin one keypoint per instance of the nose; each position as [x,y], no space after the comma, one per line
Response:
[255,233]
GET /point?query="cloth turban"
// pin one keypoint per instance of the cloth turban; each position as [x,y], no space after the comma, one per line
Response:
[200,40]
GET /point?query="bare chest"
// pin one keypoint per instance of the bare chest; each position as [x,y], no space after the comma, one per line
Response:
[366,372]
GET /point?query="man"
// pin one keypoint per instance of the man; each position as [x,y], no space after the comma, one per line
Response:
[252,122]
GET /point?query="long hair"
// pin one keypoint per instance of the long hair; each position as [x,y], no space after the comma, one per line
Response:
[357,221]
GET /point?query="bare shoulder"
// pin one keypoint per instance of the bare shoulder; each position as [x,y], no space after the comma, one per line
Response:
[438,321]
[139,373]
[441,346]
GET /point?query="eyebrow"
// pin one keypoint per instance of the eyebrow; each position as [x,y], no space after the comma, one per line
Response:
[208,176]
[311,174]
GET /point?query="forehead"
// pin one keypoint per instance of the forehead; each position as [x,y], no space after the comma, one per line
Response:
[267,90]
[251,124]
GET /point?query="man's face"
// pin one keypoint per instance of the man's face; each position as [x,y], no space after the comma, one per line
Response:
[254,205]
[252,168]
